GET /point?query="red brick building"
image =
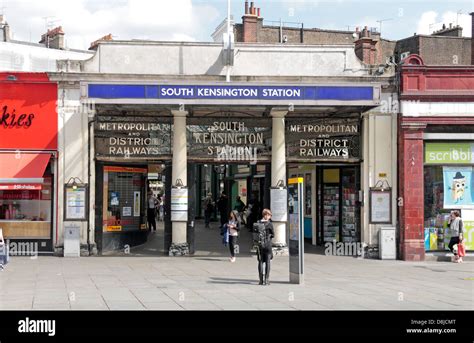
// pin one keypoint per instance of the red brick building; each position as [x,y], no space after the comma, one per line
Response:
[435,124]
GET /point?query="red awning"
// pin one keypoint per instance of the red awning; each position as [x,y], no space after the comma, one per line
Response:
[27,168]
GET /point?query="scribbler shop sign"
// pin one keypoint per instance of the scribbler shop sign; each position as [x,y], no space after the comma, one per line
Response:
[28,116]
[322,139]
[449,153]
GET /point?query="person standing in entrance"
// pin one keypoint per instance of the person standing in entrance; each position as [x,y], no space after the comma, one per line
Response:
[151,211]
[457,229]
[208,209]
[223,207]
[264,233]
[239,207]
[233,225]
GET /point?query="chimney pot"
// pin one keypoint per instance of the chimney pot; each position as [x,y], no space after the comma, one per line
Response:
[246,7]
[258,12]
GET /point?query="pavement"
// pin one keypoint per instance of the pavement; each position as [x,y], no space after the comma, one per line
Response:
[146,279]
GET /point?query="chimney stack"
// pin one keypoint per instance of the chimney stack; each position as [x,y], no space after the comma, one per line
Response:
[365,47]
[251,23]
[54,38]
[95,44]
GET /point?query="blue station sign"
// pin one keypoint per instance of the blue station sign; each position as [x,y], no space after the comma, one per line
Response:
[231,92]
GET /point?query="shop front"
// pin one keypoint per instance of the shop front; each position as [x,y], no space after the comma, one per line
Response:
[129,153]
[436,156]
[448,186]
[326,153]
[28,162]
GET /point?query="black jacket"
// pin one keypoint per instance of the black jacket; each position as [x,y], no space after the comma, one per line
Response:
[270,233]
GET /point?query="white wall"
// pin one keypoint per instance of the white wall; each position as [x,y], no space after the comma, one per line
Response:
[73,148]
[33,58]
[205,59]
[380,157]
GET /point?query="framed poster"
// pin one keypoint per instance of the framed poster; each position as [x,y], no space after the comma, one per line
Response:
[76,202]
[279,204]
[458,187]
[380,206]
[179,204]
[126,212]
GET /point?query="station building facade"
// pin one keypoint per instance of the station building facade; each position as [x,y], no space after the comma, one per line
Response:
[312,111]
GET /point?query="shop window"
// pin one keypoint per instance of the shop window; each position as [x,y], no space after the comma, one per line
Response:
[26,213]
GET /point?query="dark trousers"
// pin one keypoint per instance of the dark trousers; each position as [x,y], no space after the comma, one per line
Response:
[207,218]
[264,256]
[224,218]
[232,245]
[452,243]
[150,215]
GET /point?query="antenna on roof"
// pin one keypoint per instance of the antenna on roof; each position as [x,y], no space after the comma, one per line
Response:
[49,24]
[458,13]
[380,22]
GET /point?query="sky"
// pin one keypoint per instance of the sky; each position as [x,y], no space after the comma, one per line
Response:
[84,21]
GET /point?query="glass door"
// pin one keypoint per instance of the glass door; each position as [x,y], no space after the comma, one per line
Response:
[350,206]
[331,205]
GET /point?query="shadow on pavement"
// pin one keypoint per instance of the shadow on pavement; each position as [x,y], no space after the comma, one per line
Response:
[240,281]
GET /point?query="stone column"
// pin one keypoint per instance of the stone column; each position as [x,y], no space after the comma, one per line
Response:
[279,173]
[179,244]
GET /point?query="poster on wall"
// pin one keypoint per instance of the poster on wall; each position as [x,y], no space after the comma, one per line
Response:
[468,220]
[114,199]
[76,203]
[179,204]
[458,187]
[380,206]
[126,212]
[136,204]
[279,204]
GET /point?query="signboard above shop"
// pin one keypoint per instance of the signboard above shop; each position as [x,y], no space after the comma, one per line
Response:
[449,153]
[261,93]
[316,139]
[132,137]
[224,140]
[28,113]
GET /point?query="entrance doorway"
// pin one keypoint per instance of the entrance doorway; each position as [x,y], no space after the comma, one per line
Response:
[332,202]
[123,224]
[338,204]
[247,190]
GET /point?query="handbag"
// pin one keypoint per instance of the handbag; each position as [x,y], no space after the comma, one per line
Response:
[461,249]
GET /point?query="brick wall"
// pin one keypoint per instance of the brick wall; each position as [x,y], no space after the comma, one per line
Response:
[411,190]
[437,50]
[445,50]
[271,34]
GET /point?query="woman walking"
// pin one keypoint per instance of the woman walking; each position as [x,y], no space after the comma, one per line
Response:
[233,225]
[457,228]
